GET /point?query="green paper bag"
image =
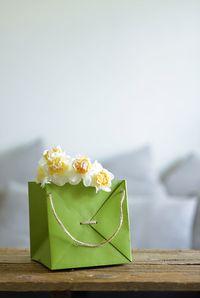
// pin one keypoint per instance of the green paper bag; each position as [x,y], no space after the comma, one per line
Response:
[72,226]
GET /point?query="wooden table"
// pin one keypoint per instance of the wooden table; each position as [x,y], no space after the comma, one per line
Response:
[152,270]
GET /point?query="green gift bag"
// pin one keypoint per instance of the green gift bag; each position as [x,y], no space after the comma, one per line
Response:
[72,226]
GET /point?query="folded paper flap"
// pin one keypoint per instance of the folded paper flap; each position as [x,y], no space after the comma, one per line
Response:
[115,191]
[108,218]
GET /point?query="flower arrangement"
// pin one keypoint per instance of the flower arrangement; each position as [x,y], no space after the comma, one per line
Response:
[59,168]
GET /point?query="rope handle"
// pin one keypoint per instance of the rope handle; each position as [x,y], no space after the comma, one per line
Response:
[86,244]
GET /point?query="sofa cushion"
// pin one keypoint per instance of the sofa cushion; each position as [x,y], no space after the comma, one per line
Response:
[184,179]
[162,224]
[138,168]
[19,164]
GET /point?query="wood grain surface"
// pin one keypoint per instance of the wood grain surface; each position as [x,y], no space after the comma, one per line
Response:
[151,270]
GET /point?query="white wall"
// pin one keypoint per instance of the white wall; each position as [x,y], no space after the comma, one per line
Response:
[101,76]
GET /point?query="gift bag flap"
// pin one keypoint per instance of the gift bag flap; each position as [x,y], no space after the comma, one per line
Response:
[108,217]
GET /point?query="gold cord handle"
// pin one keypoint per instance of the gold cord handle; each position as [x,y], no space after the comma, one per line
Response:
[86,244]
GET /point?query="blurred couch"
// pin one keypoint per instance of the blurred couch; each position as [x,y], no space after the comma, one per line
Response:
[164,213]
